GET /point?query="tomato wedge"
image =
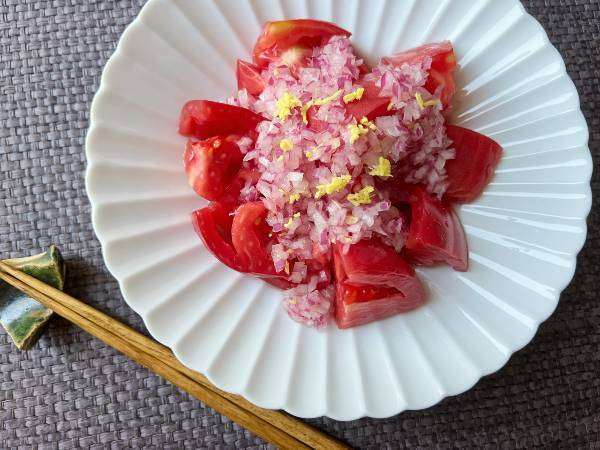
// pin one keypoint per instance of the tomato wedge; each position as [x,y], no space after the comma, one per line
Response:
[248,77]
[435,234]
[473,167]
[372,262]
[213,225]
[238,239]
[211,165]
[443,65]
[250,235]
[373,282]
[279,36]
[203,119]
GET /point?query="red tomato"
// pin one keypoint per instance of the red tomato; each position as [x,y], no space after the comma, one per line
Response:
[435,234]
[357,293]
[371,105]
[372,262]
[231,197]
[320,257]
[211,165]
[373,282]
[473,167]
[233,237]
[279,36]
[363,69]
[213,225]
[278,282]
[399,191]
[248,77]
[251,236]
[203,119]
[443,64]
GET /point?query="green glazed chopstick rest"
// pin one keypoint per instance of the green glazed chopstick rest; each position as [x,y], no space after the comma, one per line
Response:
[21,316]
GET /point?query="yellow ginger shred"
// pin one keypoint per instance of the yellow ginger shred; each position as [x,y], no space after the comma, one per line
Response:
[362,128]
[356,131]
[286,104]
[382,169]
[362,197]
[335,185]
[356,95]
[304,110]
[290,221]
[329,99]
[286,145]
[294,197]
[367,123]
[424,104]
[318,102]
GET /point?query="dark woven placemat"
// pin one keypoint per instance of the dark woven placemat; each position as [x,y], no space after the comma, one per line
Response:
[72,391]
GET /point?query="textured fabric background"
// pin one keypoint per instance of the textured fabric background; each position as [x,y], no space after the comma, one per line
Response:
[72,391]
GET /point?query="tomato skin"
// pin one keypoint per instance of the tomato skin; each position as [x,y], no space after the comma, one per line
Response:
[248,77]
[373,282]
[279,36]
[473,166]
[250,235]
[435,234]
[280,283]
[236,240]
[213,225]
[211,165]
[443,65]
[204,118]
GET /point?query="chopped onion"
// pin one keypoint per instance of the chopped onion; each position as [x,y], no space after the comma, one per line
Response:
[412,138]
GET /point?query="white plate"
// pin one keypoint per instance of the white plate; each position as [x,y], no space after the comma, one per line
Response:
[524,233]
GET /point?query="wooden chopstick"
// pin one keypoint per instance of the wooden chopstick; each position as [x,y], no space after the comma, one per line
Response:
[276,427]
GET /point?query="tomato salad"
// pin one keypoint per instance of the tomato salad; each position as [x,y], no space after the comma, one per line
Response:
[330,179]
